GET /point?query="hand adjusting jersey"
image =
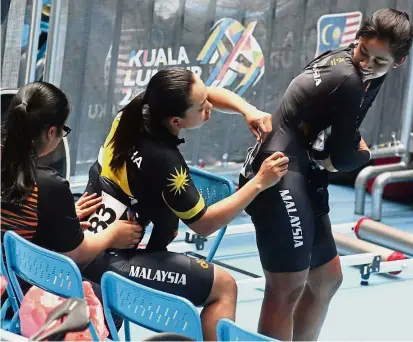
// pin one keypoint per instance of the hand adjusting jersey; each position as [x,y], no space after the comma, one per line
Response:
[154,184]
[329,93]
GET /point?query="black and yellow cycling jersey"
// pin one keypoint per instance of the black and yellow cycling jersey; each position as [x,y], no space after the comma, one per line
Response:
[154,183]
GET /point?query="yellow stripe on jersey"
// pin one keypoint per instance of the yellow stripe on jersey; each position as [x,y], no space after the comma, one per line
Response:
[120,176]
[187,215]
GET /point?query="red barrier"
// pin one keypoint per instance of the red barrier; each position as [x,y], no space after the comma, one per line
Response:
[401,192]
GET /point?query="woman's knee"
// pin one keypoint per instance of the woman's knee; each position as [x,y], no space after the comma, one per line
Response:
[285,287]
[332,284]
[284,294]
[336,282]
[326,280]
[325,290]
[223,288]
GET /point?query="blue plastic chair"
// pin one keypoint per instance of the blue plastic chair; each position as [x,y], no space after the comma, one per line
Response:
[152,309]
[213,189]
[227,330]
[11,301]
[45,269]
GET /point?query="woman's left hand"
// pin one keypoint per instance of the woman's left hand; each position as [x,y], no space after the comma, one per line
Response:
[327,164]
[86,205]
[259,123]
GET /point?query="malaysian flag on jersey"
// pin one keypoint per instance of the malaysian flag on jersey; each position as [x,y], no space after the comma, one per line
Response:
[337,30]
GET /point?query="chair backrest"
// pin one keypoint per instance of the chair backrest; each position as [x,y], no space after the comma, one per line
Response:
[227,330]
[152,309]
[10,325]
[51,271]
[212,187]
[11,296]
[38,266]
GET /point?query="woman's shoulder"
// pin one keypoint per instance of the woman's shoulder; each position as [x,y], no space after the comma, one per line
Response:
[157,149]
[50,178]
[326,73]
[154,156]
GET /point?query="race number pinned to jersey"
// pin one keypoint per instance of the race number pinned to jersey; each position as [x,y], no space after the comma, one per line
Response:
[246,170]
[319,144]
[110,211]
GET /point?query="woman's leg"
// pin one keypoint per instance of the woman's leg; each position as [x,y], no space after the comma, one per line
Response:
[284,223]
[322,283]
[221,303]
[324,279]
[194,279]
[282,293]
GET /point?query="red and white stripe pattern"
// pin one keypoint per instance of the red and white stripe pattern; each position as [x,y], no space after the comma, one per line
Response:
[353,22]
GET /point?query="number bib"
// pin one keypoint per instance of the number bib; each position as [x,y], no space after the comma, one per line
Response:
[246,170]
[110,211]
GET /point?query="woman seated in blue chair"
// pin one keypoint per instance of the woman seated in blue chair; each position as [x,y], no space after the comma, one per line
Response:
[141,174]
[36,201]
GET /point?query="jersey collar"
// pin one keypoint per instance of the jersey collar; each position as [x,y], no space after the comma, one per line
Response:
[163,134]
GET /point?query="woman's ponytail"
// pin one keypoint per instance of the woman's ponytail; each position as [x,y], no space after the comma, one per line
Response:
[129,127]
[18,161]
[35,108]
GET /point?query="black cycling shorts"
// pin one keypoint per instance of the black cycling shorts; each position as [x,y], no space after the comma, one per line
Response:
[292,226]
[173,273]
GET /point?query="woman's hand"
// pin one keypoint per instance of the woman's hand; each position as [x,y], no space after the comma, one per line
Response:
[363,146]
[259,123]
[224,100]
[125,234]
[86,205]
[327,164]
[272,170]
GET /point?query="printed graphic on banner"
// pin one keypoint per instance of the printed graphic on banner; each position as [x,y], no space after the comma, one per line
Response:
[235,53]
[235,58]
[337,30]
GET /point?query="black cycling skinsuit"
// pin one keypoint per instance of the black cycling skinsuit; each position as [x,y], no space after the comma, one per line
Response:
[291,221]
[154,185]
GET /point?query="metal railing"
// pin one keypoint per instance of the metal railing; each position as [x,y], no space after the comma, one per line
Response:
[392,171]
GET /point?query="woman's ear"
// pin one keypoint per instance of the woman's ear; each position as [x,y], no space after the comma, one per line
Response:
[174,121]
[51,133]
[400,63]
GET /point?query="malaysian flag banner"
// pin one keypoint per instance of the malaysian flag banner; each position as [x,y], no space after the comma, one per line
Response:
[337,30]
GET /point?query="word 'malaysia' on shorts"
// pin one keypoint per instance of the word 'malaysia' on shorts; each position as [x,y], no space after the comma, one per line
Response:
[294,219]
[157,275]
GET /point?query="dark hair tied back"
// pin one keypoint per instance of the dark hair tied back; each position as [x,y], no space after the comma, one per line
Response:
[167,94]
[35,107]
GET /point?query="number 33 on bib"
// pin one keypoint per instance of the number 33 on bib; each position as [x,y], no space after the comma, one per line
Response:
[110,211]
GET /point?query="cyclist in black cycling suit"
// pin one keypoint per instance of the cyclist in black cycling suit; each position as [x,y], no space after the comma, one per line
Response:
[142,175]
[316,126]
